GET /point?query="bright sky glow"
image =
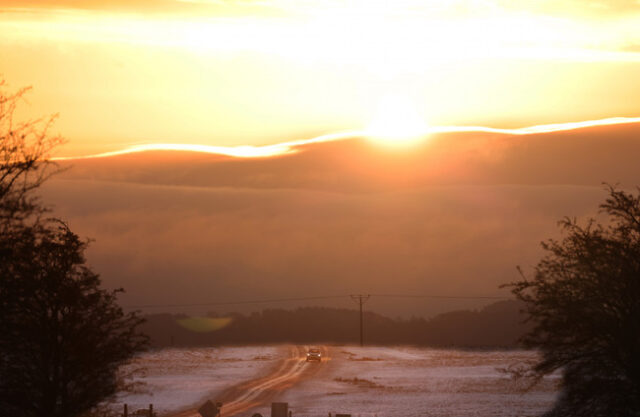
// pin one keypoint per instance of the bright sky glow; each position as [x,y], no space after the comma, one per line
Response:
[396,122]
[235,73]
[291,147]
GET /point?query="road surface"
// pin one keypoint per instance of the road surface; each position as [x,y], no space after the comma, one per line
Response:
[261,391]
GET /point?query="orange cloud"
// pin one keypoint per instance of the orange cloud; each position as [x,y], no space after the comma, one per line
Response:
[292,146]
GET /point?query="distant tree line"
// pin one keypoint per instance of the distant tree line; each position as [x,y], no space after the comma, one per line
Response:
[497,325]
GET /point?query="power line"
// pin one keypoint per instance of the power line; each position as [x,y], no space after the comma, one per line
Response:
[462,297]
[282,300]
[220,303]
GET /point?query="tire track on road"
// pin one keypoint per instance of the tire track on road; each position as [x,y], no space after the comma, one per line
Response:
[256,392]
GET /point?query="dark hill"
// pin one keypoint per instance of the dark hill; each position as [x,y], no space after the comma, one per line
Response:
[497,325]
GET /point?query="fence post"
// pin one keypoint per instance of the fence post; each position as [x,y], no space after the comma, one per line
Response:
[150,410]
[126,412]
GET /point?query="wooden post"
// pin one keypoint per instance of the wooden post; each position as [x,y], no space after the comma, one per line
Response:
[150,410]
[279,409]
[360,299]
[126,412]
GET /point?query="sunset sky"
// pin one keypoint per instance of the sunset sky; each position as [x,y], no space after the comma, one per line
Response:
[423,147]
[229,73]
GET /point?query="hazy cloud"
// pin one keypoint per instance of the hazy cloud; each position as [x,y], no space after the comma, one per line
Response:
[632,48]
[570,7]
[584,157]
[193,245]
[453,217]
[140,6]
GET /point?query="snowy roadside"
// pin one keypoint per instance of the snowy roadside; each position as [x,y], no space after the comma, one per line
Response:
[173,379]
[406,381]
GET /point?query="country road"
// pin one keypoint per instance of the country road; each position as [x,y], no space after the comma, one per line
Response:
[260,391]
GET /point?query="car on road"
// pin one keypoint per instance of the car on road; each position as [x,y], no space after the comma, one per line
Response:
[314,354]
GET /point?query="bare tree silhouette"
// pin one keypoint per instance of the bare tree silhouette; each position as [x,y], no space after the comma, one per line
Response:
[584,302]
[62,337]
[24,161]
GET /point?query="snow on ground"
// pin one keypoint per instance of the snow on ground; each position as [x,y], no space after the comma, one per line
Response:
[174,379]
[383,381]
[367,382]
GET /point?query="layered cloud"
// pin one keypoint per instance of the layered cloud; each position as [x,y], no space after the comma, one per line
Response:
[455,216]
[184,245]
[579,156]
[292,146]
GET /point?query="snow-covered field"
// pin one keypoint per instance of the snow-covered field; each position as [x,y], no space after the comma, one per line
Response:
[177,378]
[382,381]
[370,381]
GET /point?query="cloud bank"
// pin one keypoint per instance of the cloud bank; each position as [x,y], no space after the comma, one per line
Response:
[455,216]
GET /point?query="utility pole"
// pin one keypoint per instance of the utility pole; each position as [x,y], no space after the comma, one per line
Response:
[360,299]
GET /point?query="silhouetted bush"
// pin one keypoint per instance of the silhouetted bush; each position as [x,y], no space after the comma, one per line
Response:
[584,303]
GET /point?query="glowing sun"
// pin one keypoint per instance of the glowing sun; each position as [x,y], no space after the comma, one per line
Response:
[396,122]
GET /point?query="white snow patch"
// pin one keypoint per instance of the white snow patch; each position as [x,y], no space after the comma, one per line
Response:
[174,379]
[366,382]
[408,381]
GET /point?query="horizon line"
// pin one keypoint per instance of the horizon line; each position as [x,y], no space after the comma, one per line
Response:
[285,148]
